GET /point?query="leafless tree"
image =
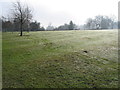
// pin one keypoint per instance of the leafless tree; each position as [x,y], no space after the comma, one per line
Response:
[88,23]
[22,14]
[113,19]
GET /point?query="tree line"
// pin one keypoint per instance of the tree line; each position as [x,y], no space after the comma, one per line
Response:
[15,26]
[101,22]
[70,26]
[22,21]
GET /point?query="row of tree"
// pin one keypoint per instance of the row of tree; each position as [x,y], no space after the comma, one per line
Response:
[22,21]
[101,22]
[70,26]
[15,26]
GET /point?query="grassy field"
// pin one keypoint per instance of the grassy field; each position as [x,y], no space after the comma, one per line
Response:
[60,59]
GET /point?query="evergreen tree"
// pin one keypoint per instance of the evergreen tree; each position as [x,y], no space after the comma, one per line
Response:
[71,25]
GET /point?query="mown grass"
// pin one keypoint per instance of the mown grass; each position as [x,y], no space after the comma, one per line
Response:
[60,59]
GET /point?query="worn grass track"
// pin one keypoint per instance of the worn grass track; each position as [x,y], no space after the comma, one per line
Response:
[60,59]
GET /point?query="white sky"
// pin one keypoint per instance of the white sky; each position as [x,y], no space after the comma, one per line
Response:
[59,12]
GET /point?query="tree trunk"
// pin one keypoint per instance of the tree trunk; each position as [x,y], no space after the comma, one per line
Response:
[20,29]
[21,33]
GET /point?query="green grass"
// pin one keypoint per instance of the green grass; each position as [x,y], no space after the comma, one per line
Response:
[57,59]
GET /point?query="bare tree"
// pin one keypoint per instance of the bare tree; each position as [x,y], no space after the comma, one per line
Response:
[88,23]
[22,14]
[112,19]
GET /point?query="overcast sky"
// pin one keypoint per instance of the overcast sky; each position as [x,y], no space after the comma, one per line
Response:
[59,12]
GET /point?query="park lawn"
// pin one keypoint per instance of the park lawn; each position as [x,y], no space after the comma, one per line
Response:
[60,59]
